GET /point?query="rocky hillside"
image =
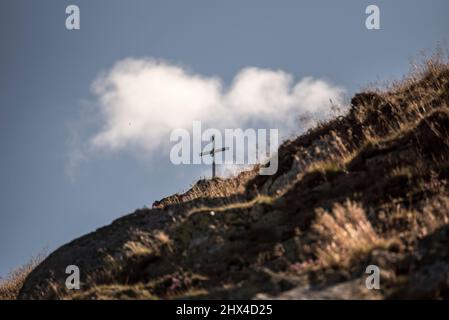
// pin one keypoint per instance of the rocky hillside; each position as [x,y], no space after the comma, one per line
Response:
[367,188]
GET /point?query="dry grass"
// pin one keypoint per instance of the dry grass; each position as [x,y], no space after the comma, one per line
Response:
[419,222]
[211,188]
[10,287]
[435,214]
[343,233]
[259,199]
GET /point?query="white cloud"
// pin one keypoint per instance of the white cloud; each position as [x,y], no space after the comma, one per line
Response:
[142,100]
[138,103]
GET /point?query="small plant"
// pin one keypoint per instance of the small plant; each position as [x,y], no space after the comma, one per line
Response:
[10,287]
[343,233]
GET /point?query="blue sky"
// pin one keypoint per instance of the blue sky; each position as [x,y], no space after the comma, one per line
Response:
[46,76]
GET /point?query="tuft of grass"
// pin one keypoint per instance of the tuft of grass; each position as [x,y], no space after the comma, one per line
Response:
[343,233]
[403,171]
[326,166]
[10,287]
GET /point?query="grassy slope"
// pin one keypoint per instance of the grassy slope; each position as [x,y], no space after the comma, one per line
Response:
[366,188]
